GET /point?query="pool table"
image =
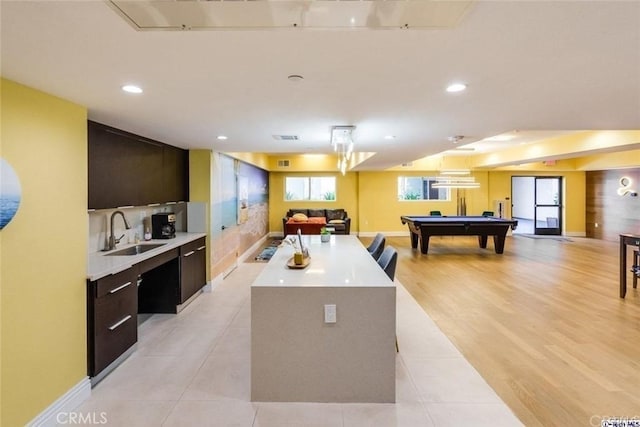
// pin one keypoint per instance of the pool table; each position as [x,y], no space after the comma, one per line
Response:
[423,227]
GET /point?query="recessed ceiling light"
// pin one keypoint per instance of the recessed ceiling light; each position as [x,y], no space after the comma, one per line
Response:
[390,137]
[132,89]
[222,137]
[456,87]
[455,138]
[295,78]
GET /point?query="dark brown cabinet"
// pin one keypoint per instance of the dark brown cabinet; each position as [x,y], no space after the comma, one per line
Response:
[129,170]
[112,318]
[192,268]
[156,285]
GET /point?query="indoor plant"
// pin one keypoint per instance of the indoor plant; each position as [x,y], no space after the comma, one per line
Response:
[325,235]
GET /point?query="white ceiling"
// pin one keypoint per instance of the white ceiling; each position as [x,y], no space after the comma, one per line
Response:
[535,67]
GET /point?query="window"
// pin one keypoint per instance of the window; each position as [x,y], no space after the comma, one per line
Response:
[318,188]
[420,188]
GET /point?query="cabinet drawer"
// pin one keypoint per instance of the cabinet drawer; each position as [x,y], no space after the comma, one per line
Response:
[196,245]
[111,285]
[114,325]
[113,339]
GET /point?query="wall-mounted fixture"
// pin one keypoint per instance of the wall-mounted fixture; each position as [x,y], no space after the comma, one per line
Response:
[625,188]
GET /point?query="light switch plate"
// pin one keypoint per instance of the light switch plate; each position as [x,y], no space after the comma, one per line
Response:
[330,313]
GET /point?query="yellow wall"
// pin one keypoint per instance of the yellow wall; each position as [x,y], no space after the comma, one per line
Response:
[569,146]
[346,198]
[379,210]
[200,189]
[256,159]
[44,252]
[622,159]
[304,163]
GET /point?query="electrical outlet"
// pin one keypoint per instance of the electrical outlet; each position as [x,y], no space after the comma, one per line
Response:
[330,313]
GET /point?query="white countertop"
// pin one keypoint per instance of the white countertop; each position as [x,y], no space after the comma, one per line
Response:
[341,262]
[100,264]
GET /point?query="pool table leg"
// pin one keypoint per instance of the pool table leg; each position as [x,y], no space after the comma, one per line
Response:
[414,239]
[482,240]
[424,244]
[498,243]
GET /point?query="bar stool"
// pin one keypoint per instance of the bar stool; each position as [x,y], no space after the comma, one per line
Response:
[387,262]
[377,246]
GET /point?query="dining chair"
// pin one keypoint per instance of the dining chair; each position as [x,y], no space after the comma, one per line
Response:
[388,261]
[377,246]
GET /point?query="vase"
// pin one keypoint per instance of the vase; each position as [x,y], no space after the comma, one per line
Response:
[325,237]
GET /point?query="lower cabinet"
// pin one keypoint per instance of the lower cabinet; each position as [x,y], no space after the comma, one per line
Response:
[156,285]
[112,312]
[192,268]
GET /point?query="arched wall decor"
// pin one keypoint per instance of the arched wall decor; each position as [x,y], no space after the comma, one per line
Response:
[10,193]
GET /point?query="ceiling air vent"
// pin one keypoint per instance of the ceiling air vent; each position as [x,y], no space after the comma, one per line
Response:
[286,137]
[283,163]
[407,165]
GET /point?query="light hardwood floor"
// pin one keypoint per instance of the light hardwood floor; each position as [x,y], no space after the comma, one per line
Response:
[542,323]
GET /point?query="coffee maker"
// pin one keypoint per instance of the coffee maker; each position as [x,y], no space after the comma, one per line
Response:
[163,225]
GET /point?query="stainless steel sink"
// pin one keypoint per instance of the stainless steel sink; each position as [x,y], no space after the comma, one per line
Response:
[136,250]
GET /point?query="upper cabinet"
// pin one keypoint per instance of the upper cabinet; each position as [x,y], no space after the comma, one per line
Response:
[130,170]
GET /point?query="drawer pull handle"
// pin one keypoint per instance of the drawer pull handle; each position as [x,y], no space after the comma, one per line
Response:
[201,248]
[188,254]
[115,325]
[113,291]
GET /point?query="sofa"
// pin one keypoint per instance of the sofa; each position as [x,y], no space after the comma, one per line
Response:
[338,219]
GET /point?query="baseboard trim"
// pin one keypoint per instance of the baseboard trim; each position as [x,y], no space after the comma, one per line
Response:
[386,233]
[257,245]
[66,403]
[576,234]
[216,281]
[208,287]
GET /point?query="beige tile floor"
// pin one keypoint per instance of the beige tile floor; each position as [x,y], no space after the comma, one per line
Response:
[193,369]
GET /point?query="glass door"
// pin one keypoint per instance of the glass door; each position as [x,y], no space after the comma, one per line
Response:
[548,207]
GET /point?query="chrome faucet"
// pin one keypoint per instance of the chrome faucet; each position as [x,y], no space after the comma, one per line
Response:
[112,238]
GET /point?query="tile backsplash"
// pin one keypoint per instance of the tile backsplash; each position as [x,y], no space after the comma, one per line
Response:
[136,216]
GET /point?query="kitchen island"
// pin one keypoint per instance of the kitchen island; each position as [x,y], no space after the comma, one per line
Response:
[325,333]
